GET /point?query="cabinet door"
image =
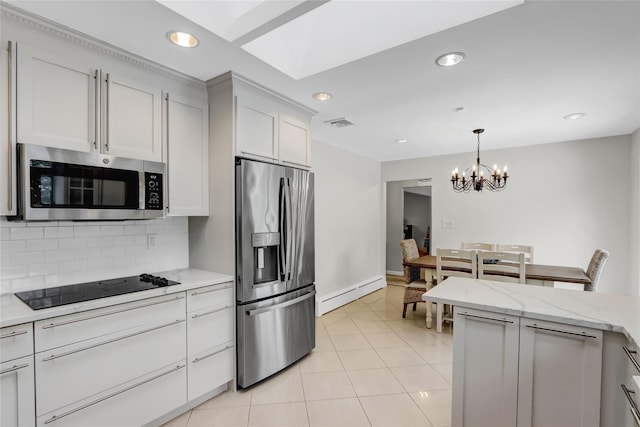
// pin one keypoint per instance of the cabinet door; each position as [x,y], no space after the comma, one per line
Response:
[559,375]
[17,398]
[132,119]
[187,156]
[256,127]
[56,100]
[294,141]
[7,130]
[485,369]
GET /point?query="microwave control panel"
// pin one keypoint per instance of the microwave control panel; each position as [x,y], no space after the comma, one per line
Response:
[153,191]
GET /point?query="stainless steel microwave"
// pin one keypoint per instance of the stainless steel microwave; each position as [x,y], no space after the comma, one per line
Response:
[57,184]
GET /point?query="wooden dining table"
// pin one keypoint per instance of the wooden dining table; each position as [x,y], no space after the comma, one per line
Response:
[535,274]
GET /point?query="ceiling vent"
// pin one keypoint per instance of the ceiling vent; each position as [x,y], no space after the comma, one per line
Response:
[339,123]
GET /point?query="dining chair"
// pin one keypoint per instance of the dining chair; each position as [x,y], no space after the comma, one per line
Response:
[476,246]
[501,266]
[452,262]
[595,267]
[525,249]
[414,286]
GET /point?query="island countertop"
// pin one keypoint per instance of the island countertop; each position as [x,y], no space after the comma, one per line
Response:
[609,312]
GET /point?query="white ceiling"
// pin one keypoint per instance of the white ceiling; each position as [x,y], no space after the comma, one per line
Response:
[526,67]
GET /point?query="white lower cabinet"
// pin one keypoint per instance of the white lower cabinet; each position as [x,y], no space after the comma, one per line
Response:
[516,371]
[620,362]
[559,375]
[17,403]
[210,337]
[17,394]
[119,365]
[485,364]
[135,403]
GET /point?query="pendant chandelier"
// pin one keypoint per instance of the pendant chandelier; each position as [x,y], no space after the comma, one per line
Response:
[476,180]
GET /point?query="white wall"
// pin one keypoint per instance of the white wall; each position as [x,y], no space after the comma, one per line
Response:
[566,199]
[35,255]
[634,239]
[348,218]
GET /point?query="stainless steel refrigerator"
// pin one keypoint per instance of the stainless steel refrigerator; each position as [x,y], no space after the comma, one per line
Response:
[275,268]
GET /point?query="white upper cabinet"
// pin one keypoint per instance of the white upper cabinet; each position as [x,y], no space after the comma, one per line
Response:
[294,141]
[256,126]
[187,156]
[7,131]
[68,103]
[269,128]
[57,100]
[132,114]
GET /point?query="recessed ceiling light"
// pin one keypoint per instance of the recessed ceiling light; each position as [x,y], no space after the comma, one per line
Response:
[322,96]
[182,39]
[402,141]
[449,59]
[574,116]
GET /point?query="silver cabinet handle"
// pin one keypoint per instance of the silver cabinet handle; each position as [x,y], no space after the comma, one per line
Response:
[13,334]
[106,141]
[296,164]
[630,354]
[14,368]
[57,356]
[168,161]
[195,316]
[210,290]
[96,107]
[57,417]
[282,305]
[10,111]
[634,408]
[485,318]
[53,325]
[199,359]
[560,331]
[258,155]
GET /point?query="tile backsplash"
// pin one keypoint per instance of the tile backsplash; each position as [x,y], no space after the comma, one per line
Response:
[36,255]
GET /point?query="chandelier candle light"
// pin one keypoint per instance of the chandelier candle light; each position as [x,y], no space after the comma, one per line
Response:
[477,181]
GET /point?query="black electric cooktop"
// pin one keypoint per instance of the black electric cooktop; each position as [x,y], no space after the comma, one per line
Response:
[63,295]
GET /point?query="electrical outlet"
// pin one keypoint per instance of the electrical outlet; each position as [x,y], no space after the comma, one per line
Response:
[448,223]
[151,241]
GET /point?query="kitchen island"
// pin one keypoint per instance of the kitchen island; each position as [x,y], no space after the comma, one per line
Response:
[534,356]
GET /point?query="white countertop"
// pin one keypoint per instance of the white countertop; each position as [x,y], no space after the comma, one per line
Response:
[609,312]
[13,311]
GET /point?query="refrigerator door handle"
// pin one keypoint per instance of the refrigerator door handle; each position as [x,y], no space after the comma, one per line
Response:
[282,258]
[281,305]
[289,233]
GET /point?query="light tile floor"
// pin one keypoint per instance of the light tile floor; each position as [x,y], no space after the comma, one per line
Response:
[370,367]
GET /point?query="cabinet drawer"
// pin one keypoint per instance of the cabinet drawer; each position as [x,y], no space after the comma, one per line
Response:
[17,398]
[210,327]
[16,341]
[209,296]
[63,330]
[210,369]
[68,374]
[133,404]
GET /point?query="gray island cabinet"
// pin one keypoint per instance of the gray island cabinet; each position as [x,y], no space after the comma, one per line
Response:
[534,356]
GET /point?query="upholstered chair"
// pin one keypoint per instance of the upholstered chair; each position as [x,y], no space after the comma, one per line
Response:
[594,270]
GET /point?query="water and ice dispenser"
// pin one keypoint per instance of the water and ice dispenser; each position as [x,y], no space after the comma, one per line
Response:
[265,257]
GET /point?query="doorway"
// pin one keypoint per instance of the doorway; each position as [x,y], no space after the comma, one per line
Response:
[409,205]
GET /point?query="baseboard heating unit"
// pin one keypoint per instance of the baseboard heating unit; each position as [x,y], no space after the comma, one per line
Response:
[328,302]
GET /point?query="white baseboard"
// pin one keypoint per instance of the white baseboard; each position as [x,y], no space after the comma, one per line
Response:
[326,303]
[395,273]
